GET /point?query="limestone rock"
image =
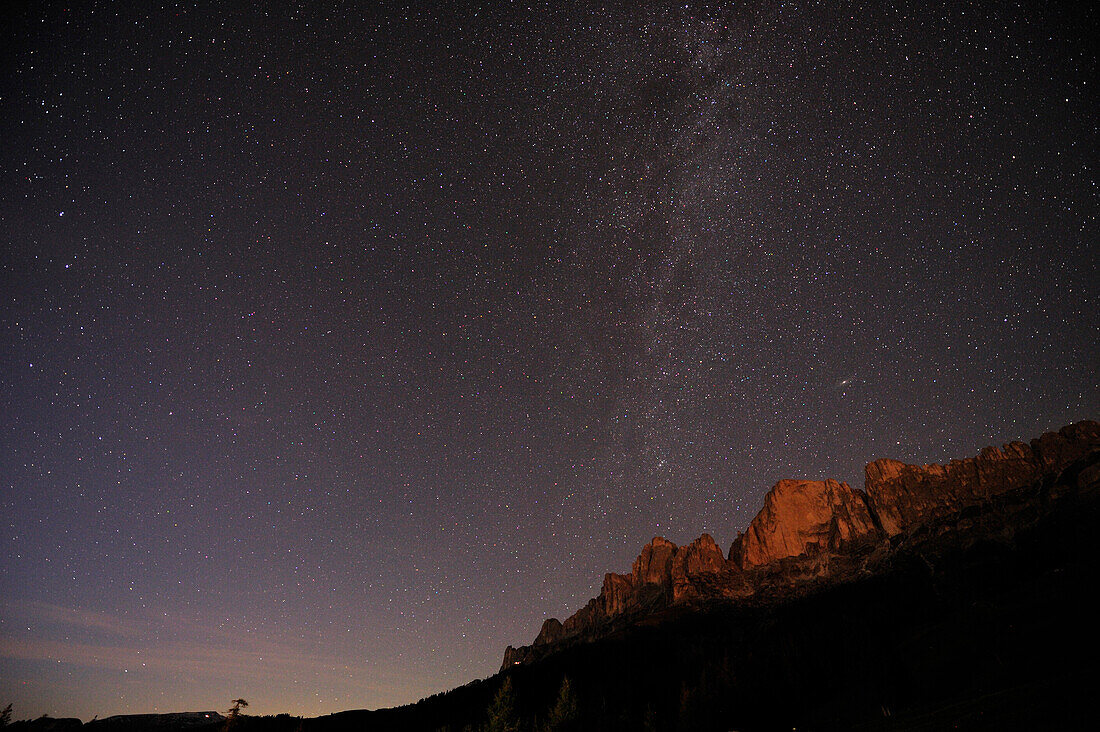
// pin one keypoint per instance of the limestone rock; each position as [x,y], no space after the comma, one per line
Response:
[514,656]
[903,496]
[1056,450]
[653,565]
[587,620]
[700,557]
[800,516]
[663,574]
[551,632]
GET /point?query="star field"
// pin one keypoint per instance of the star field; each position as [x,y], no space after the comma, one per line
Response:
[343,346]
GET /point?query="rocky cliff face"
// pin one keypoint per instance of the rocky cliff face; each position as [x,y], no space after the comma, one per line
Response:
[818,529]
[663,573]
[692,564]
[800,516]
[903,496]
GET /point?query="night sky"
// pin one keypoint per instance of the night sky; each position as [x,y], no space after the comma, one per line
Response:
[343,346]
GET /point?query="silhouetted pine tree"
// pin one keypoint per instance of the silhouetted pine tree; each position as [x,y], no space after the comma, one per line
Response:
[502,712]
[687,719]
[234,713]
[564,714]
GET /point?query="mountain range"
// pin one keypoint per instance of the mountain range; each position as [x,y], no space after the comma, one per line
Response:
[957,596]
[812,533]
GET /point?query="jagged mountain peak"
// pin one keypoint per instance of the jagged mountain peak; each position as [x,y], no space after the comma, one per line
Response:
[812,531]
